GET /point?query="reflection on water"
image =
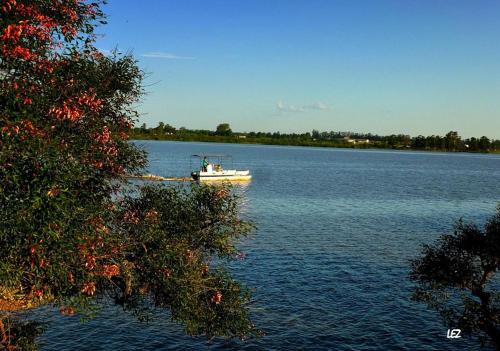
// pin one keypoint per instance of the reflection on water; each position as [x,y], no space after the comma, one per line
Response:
[330,258]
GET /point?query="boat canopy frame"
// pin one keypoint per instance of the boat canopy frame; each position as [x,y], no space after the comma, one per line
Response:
[221,158]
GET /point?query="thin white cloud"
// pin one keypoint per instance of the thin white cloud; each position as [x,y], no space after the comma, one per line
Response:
[166,56]
[318,106]
[288,108]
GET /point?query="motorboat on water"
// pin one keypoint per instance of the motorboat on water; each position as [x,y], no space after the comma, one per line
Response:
[211,169]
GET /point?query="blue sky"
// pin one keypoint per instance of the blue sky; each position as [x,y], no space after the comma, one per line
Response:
[402,66]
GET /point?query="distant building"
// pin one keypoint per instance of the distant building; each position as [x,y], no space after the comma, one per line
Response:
[355,141]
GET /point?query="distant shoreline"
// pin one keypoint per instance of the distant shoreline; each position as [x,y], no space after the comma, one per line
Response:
[322,144]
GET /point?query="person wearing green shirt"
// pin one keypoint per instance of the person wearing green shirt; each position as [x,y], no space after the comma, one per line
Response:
[204,164]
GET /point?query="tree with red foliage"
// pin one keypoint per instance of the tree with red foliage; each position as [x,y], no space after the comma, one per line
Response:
[71,234]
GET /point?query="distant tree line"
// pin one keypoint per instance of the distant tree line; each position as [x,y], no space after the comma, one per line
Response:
[223,133]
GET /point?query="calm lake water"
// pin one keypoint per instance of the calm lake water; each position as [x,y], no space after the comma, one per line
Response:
[329,261]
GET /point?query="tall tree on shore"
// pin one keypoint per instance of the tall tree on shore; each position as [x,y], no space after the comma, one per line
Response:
[453,278]
[223,129]
[484,143]
[452,141]
[70,235]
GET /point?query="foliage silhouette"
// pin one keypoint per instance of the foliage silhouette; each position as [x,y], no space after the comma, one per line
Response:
[454,277]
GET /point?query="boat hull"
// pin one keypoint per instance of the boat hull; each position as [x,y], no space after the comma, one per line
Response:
[225,178]
[229,175]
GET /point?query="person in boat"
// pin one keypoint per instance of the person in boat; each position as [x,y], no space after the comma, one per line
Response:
[204,164]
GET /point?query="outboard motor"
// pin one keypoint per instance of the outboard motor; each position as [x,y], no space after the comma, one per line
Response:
[194,175]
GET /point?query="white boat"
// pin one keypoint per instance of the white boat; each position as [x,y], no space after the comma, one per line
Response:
[211,168]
